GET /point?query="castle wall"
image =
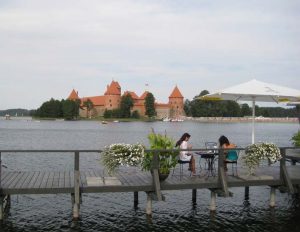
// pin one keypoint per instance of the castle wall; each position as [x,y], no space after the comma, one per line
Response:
[162,112]
[95,112]
[112,101]
[139,108]
[176,107]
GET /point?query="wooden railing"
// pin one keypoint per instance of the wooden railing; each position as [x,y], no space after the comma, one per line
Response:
[222,180]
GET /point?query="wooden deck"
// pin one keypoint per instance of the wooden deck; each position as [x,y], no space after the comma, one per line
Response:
[78,181]
[131,180]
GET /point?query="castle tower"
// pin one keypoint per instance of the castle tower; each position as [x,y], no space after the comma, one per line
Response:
[112,96]
[176,103]
[73,95]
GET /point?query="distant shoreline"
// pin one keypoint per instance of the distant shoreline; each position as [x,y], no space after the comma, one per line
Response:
[198,119]
[242,119]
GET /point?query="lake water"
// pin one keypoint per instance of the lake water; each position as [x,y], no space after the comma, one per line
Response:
[115,212]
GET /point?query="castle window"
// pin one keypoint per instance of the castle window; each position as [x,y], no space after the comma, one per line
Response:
[110,105]
[177,107]
[109,100]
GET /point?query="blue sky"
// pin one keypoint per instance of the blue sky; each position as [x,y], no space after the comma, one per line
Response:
[49,47]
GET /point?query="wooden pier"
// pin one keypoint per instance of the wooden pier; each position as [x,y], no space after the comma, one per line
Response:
[78,181]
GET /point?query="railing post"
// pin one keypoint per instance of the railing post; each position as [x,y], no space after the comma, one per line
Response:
[284,176]
[1,207]
[194,196]
[246,194]
[149,205]
[272,196]
[155,175]
[221,173]
[0,169]
[212,206]
[136,199]
[76,186]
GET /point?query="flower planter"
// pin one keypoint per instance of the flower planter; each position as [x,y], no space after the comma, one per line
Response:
[255,153]
[163,176]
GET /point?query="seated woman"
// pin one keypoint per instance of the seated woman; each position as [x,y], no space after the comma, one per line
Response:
[224,143]
[182,143]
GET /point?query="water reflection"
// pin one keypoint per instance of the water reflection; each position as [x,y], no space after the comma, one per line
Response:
[115,212]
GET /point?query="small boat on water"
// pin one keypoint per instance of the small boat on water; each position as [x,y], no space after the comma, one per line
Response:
[166,120]
[7,117]
[104,122]
[116,121]
[177,120]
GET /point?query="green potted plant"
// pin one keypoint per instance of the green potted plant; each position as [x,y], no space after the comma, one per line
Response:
[255,153]
[167,159]
[296,139]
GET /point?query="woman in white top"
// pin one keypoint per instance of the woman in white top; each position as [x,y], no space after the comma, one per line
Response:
[185,155]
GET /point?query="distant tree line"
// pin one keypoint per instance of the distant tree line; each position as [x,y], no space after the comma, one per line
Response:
[67,109]
[206,108]
[17,112]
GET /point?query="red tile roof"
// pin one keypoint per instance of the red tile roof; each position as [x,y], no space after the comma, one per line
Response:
[73,95]
[162,105]
[132,94]
[176,93]
[113,89]
[97,100]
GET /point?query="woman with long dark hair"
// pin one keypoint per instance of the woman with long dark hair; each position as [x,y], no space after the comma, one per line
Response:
[182,143]
[224,143]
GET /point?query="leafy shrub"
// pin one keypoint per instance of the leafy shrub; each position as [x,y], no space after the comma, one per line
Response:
[296,139]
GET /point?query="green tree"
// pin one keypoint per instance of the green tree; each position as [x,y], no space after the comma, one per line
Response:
[198,107]
[209,108]
[50,109]
[69,108]
[149,105]
[245,110]
[115,113]
[216,108]
[203,92]
[257,110]
[125,106]
[135,114]
[232,109]
[187,107]
[89,106]
[107,114]
[77,107]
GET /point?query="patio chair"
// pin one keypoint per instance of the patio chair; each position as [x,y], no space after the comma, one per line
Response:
[232,158]
[181,163]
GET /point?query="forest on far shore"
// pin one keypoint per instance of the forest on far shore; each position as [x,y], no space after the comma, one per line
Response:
[69,109]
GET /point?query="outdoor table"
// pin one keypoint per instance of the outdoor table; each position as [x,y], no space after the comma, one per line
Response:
[209,156]
[293,156]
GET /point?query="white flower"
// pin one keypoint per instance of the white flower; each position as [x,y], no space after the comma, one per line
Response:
[122,154]
[257,152]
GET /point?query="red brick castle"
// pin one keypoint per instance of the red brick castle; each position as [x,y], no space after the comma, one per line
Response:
[112,97]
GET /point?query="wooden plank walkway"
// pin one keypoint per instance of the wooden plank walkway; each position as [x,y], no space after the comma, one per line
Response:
[78,181]
[131,180]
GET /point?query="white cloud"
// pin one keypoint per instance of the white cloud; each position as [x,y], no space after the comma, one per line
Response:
[194,44]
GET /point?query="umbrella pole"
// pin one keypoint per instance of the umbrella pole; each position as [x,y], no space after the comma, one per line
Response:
[253,119]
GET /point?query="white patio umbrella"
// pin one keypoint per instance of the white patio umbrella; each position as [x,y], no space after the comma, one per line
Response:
[255,91]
